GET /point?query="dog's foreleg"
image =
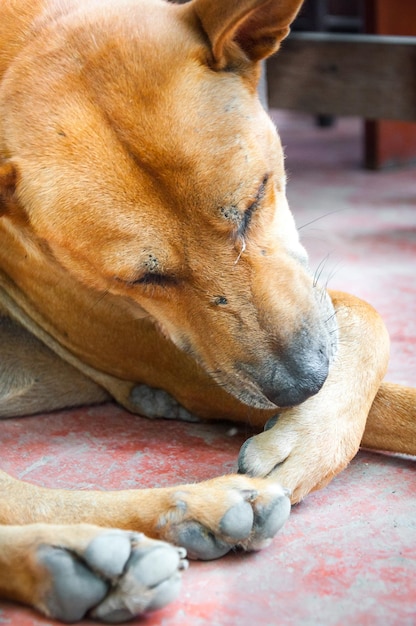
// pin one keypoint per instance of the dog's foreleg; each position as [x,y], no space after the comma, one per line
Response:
[306,446]
[209,519]
[391,423]
[33,379]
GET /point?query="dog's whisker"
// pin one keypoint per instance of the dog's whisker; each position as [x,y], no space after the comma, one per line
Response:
[321,217]
[331,317]
[98,300]
[318,272]
[333,272]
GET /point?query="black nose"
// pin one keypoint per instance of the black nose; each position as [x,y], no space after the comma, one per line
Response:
[299,380]
[296,393]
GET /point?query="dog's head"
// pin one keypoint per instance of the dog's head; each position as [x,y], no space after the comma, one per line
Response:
[144,160]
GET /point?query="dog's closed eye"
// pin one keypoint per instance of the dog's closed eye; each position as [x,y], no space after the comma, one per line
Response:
[150,278]
[153,278]
[248,213]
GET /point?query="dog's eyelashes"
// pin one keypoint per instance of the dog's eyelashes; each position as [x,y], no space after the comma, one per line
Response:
[248,213]
[151,278]
[245,222]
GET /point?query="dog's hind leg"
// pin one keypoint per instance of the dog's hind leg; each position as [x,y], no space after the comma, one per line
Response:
[391,423]
[33,379]
[70,572]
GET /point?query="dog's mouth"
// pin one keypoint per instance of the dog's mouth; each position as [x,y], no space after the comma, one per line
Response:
[244,390]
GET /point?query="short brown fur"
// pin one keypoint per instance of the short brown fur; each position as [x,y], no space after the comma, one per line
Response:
[146,238]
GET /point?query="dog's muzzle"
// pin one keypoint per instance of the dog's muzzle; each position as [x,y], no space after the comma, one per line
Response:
[292,374]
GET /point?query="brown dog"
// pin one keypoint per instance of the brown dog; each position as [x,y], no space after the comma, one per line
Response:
[146,245]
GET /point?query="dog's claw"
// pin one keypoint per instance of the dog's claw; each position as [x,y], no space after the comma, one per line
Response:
[271,422]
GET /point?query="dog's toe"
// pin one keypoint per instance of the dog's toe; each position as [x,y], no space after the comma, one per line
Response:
[260,455]
[237,522]
[151,581]
[200,542]
[204,544]
[269,518]
[118,576]
[75,587]
[108,553]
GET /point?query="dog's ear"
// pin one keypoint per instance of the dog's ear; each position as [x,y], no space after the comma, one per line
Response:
[252,28]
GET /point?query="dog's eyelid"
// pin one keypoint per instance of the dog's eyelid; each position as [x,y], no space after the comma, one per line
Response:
[261,192]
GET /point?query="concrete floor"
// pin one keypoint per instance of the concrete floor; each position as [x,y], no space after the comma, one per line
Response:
[347,555]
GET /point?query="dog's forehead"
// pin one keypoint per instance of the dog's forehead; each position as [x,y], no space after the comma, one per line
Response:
[132,106]
[151,79]
[203,136]
[178,112]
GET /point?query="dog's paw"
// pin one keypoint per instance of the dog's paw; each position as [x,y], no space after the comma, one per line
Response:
[300,451]
[151,402]
[117,576]
[210,519]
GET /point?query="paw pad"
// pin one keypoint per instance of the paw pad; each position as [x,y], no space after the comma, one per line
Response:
[118,576]
[252,518]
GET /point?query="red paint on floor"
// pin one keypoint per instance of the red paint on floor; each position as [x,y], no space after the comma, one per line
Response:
[348,553]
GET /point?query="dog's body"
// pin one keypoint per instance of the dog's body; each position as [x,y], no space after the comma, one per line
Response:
[145,241]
